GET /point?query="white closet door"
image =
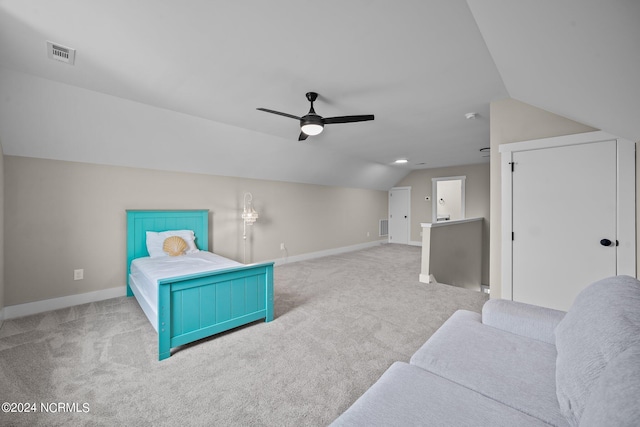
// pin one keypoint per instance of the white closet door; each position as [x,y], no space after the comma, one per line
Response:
[399,208]
[564,204]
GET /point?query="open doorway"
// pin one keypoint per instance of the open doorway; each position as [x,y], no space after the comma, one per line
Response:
[448,198]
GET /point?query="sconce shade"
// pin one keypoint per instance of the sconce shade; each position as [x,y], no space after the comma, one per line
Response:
[249,215]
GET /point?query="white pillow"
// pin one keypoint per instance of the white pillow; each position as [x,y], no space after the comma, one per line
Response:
[155,241]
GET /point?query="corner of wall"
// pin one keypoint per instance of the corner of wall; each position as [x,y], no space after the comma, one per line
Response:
[512,121]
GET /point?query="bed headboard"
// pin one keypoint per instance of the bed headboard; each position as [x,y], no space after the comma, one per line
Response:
[141,221]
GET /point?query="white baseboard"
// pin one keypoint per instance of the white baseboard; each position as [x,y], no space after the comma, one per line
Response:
[328,252]
[427,278]
[1,316]
[415,243]
[20,310]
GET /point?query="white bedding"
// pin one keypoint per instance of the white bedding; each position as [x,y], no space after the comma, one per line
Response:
[146,271]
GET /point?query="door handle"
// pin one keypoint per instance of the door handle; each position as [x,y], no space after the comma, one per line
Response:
[607,242]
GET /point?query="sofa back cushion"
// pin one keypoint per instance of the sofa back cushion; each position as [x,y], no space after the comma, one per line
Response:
[603,321]
[614,398]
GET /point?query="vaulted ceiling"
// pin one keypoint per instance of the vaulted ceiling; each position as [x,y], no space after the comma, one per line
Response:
[175,85]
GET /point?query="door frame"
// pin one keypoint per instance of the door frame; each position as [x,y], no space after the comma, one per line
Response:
[408,213]
[626,198]
[434,192]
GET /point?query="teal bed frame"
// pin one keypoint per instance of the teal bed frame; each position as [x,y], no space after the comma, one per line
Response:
[199,305]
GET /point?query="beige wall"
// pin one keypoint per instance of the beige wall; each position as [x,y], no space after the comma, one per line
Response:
[476,200]
[61,216]
[513,121]
[452,253]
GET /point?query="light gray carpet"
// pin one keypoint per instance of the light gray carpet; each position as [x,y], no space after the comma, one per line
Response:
[340,322]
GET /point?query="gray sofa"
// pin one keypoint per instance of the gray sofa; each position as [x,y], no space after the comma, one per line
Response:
[519,365]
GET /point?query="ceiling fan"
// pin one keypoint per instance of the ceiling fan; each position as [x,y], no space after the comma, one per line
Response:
[312,124]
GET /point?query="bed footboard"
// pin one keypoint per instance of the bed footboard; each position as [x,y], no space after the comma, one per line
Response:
[198,306]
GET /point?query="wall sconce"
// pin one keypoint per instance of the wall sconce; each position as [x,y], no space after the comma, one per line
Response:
[249,216]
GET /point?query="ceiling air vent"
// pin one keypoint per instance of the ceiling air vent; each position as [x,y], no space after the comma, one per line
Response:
[60,53]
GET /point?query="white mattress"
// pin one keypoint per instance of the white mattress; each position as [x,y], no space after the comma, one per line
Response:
[146,271]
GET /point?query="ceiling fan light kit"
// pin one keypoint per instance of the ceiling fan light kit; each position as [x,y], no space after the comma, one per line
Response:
[312,124]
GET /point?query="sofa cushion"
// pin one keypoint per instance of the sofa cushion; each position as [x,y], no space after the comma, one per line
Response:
[614,399]
[522,319]
[603,321]
[406,395]
[509,368]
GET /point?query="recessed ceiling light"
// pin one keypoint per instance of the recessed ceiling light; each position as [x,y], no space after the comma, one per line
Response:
[400,161]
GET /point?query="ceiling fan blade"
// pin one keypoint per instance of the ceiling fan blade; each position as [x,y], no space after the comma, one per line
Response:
[347,119]
[302,136]
[279,113]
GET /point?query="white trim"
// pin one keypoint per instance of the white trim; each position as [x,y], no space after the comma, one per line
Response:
[445,223]
[626,211]
[328,252]
[415,243]
[20,310]
[1,317]
[27,309]
[507,226]
[557,141]
[427,278]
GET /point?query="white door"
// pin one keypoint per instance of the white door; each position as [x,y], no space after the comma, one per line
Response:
[565,222]
[399,218]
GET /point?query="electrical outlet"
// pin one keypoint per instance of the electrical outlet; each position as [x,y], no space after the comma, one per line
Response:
[78,274]
[282,247]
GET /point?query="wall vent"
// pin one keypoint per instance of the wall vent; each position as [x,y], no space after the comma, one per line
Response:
[384,227]
[61,53]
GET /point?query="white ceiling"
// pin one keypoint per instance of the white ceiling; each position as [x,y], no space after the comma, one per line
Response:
[188,76]
[576,58]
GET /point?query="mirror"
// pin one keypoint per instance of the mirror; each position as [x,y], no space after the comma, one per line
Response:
[448,198]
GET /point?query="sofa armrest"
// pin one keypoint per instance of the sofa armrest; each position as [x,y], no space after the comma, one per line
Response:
[523,319]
